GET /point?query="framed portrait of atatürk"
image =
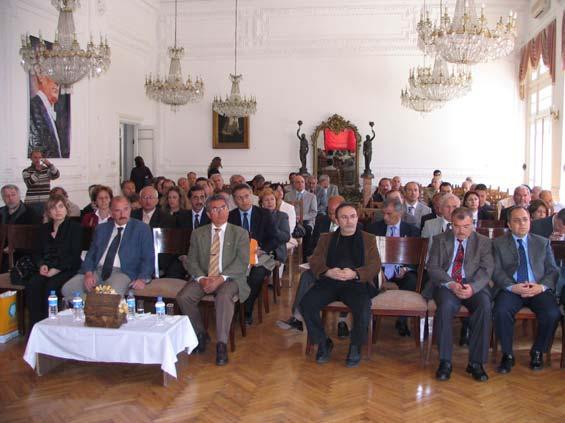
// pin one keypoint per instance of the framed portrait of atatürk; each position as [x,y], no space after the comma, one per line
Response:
[230,132]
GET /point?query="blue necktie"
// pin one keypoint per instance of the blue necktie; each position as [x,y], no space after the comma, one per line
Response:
[390,269]
[245,222]
[196,221]
[522,273]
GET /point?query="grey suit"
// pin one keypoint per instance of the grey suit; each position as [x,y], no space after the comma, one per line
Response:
[420,210]
[322,197]
[235,260]
[432,228]
[507,303]
[310,206]
[478,266]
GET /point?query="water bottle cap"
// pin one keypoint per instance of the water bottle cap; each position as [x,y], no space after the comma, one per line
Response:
[159,298]
[77,294]
[52,293]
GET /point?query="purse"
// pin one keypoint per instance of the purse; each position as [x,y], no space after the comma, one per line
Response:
[299,231]
[24,269]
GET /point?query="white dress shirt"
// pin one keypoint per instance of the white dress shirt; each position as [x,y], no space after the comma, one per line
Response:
[222,236]
[147,216]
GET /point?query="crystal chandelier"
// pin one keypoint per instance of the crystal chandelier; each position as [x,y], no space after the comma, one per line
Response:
[235,106]
[419,104]
[466,39]
[172,90]
[65,63]
[438,83]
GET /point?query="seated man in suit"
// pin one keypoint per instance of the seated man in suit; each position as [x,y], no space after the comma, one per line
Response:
[392,225]
[521,198]
[459,266]
[121,254]
[311,184]
[218,182]
[197,216]
[484,205]
[432,189]
[324,191]
[413,205]
[524,275]
[396,184]
[345,264]
[261,227]
[440,224]
[436,201]
[310,210]
[445,188]
[383,187]
[397,196]
[128,188]
[217,261]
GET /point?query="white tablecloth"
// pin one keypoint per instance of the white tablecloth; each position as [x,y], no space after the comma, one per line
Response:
[138,341]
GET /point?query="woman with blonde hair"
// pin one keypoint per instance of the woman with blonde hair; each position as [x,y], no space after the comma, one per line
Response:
[268,201]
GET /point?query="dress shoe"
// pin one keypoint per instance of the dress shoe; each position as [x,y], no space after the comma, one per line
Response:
[324,351]
[536,363]
[342,330]
[353,356]
[248,319]
[464,336]
[402,327]
[292,323]
[506,364]
[443,372]
[203,339]
[221,354]
[477,371]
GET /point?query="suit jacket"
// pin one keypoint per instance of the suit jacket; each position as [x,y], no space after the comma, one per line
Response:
[427,217]
[310,206]
[542,227]
[420,211]
[42,133]
[22,216]
[159,219]
[322,200]
[262,227]
[406,230]
[184,219]
[321,226]
[63,251]
[136,252]
[235,255]
[367,273]
[504,214]
[478,263]
[283,234]
[540,256]
[432,227]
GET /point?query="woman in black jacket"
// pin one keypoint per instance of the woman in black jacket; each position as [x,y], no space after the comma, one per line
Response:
[140,175]
[58,259]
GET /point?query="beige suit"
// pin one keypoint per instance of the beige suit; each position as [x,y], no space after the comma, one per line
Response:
[235,260]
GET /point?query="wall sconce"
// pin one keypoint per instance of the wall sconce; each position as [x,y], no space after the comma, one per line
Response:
[554,112]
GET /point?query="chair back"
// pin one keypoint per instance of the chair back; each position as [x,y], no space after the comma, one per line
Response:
[491,224]
[170,241]
[411,251]
[558,248]
[22,238]
[368,215]
[87,234]
[3,235]
[299,207]
[492,233]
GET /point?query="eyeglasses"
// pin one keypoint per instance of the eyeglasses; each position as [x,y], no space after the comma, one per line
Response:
[218,209]
[148,197]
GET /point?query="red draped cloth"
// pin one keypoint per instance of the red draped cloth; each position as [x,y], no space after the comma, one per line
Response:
[345,140]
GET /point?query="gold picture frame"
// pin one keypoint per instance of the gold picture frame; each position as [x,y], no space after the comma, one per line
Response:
[228,135]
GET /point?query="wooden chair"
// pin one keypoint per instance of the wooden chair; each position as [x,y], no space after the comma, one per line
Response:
[432,307]
[492,233]
[25,239]
[369,215]
[491,224]
[208,302]
[558,248]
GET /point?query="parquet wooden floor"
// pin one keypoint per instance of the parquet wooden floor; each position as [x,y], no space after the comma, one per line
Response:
[269,379]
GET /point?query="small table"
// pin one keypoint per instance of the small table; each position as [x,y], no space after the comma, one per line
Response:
[142,341]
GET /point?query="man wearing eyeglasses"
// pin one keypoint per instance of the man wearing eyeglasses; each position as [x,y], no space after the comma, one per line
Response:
[217,262]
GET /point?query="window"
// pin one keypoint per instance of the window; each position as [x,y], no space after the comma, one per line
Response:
[539,95]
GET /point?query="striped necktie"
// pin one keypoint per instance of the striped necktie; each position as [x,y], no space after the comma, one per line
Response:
[214,264]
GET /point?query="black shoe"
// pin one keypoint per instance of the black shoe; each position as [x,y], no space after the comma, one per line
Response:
[342,330]
[476,370]
[353,356]
[443,372]
[536,363]
[506,364]
[464,336]
[221,354]
[292,323]
[248,319]
[203,339]
[324,351]
[402,327]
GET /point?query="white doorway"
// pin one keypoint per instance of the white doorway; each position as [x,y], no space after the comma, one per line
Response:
[128,148]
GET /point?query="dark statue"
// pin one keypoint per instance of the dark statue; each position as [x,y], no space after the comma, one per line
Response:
[368,152]
[303,149]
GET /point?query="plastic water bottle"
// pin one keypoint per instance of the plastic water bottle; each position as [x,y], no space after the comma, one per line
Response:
[131,305]
[53,307]
[160,309]
[78,313]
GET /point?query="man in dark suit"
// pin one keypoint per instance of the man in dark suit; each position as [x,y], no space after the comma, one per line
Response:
[484,207]
[217,262]
[413,205]
[393,226]
[323,192]
[525,274]
[121,254]
[261,227]
[522,197]
[460,265]
[345,264]
[552,227]
[44,132]
[197,216]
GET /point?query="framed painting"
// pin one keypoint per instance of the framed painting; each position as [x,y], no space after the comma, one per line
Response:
[230,133]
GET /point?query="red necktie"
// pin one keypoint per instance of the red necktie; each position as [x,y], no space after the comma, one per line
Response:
[458,263]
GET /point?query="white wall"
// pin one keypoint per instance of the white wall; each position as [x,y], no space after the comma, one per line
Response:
[309,59]
[97,105]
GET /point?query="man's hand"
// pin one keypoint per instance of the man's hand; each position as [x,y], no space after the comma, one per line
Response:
[89,281]
[43,270]
[334,273]
[519,288]
[213,283]
[46,162]
[137,284]
[401,272]
[348,274]
[466,291]
[556,236]
[531,290]
[52,272]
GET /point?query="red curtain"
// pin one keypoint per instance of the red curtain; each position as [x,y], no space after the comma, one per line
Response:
[345,140]
[541,46]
